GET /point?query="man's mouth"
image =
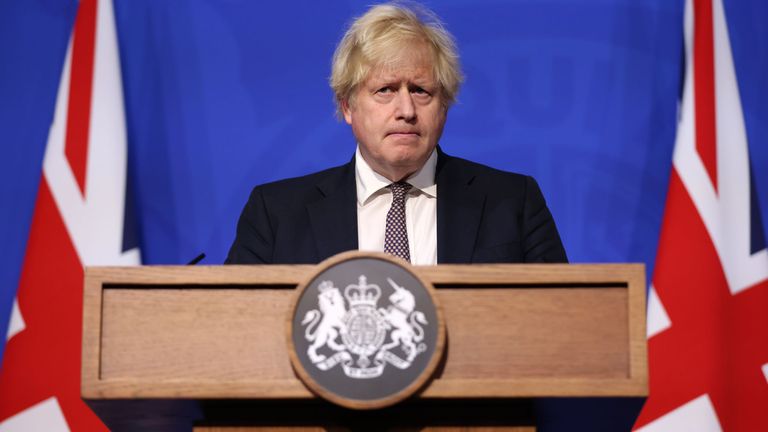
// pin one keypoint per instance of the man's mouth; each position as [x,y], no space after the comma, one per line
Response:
[403,133]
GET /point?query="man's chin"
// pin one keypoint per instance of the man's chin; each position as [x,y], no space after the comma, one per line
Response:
[409,164]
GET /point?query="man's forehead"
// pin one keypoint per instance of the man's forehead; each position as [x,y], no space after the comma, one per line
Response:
[411,57]
[420,73]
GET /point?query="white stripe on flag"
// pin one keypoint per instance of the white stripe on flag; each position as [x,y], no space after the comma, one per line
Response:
[94,222]
[765,372]
[16,325]
[45,416]
[697,415]
[658,319]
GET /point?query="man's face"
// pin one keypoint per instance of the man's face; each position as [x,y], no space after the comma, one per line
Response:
[397,115]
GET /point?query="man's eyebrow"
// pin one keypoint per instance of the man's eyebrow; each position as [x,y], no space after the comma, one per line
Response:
[389,80]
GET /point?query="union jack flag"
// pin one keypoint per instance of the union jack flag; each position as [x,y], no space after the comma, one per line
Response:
[708,304]
[79,220]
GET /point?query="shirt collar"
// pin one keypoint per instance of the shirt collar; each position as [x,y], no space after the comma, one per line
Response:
[369,182]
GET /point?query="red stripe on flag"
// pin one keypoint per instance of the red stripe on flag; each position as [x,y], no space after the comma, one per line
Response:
[716,344]
[683,360]
[44,360]
[80,89]
[704,86]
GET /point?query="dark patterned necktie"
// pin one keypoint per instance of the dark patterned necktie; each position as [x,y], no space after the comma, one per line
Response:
[396,234]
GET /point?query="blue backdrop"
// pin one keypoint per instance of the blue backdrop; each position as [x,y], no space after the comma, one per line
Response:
[223,95]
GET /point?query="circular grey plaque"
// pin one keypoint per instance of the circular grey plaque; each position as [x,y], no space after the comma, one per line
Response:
[365,331]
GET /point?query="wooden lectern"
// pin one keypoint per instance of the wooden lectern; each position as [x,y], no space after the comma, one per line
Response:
[169,347]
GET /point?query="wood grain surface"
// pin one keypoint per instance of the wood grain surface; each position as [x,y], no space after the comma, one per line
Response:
[219,331]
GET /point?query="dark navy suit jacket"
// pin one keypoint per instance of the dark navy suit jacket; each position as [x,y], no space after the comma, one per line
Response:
[483,216]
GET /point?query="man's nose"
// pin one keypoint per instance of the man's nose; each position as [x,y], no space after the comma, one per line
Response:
[405,107]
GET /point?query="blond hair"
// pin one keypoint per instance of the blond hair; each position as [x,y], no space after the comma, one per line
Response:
[375,38]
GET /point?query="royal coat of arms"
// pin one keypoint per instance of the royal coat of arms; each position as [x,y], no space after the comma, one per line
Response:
[360,336]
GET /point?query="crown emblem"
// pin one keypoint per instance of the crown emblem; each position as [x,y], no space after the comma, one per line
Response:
[362,293]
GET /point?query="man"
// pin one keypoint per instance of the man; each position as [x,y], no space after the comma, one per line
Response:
[395,74]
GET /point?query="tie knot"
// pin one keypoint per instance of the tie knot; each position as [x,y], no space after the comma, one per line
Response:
[399,189]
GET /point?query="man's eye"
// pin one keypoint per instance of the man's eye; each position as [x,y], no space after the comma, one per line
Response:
[419,91]
[384,90]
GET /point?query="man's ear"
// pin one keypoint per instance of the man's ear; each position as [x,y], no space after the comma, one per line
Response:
[346,109]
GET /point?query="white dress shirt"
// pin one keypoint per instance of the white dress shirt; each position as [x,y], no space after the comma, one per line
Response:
[374,201]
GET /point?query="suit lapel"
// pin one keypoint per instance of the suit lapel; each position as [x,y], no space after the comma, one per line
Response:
[334,217]
[459,211]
